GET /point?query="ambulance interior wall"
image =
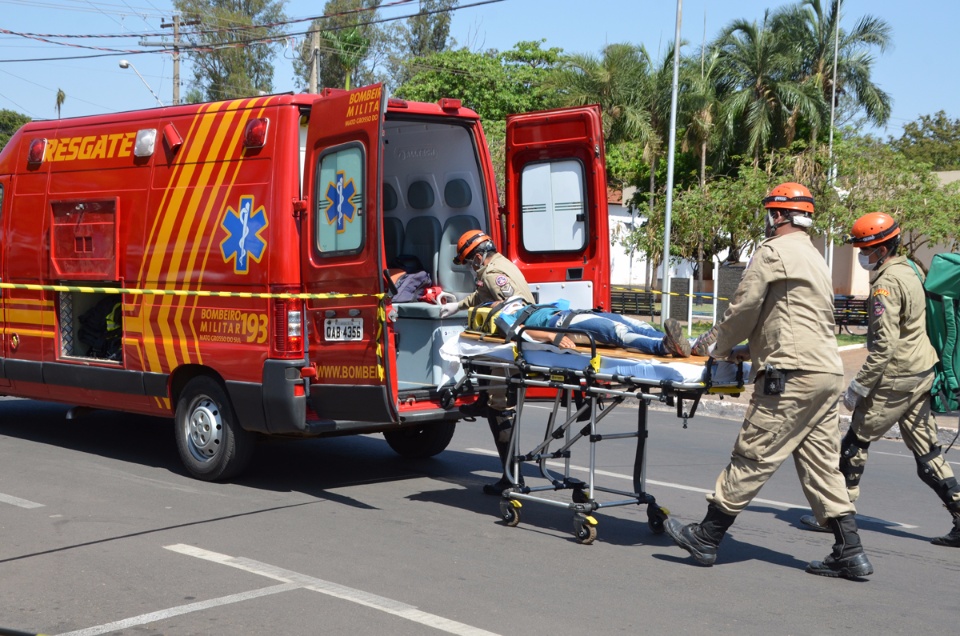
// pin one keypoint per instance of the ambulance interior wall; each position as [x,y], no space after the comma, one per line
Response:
[433,192]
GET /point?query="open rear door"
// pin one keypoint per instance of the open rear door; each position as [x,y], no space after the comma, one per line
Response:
[340,257]
[556,218]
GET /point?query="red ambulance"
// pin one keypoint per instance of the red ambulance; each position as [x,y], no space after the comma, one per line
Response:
[246,247]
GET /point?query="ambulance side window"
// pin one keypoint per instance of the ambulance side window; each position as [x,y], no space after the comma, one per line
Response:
[553,211]
[339,205]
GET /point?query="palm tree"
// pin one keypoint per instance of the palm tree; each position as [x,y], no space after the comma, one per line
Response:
[61,97]
[762,101]
[813,33]
[617,81]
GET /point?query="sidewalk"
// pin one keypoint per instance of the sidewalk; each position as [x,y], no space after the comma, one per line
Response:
[853,356]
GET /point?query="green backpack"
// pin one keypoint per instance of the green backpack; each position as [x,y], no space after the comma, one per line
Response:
[943,324]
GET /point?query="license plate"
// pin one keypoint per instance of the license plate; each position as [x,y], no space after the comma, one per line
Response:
[343,329]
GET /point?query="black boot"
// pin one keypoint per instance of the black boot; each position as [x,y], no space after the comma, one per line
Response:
[951,540]
[702,539]
[478,408]
[848,558]
[499,422]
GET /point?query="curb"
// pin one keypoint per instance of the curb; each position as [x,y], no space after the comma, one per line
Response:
[728,409]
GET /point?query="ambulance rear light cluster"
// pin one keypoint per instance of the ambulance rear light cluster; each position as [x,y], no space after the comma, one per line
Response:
[255,134]
[288,327]
[38,147]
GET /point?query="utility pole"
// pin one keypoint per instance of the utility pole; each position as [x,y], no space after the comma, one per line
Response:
[176,23]
[314,61]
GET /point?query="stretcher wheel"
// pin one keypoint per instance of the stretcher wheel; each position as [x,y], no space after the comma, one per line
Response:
[584,529]
[510,512]
[656,517]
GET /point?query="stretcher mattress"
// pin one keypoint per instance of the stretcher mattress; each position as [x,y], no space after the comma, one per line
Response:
[646,369]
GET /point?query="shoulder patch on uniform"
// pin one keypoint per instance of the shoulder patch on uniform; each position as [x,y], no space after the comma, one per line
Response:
[880,291]
[501,280]
[878,308]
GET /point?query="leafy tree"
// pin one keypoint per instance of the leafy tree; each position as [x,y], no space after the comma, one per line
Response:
[350,46]
[932,139]
[10,122]
[492,83]
[231,51]
[429,31]
[872,176]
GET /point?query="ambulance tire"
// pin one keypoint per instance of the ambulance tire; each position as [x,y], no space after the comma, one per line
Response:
[420,442]
[211,443]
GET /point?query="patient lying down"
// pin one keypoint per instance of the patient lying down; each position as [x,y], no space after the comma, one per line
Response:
[606,328]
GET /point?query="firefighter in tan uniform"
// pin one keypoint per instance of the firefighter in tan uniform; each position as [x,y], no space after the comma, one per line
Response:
[893,385]
[497,279]
[783,307]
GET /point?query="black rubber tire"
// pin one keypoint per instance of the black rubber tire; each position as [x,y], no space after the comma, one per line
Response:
[420,442]
[211,444]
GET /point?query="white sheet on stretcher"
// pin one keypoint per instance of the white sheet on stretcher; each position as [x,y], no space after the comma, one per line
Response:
[547,355]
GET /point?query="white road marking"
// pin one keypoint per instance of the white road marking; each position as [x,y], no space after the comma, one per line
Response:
[152,617]
[329,588]
[17,501]
[908,456]
[667,484]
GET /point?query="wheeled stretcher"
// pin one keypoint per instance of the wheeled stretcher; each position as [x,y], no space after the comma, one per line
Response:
[585,384]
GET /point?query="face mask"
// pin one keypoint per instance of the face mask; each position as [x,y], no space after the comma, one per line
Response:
[864,260]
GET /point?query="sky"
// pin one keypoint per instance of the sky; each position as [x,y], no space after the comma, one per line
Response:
[919,71]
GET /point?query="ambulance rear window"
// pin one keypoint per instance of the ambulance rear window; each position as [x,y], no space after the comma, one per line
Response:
[553,207]
[339,205]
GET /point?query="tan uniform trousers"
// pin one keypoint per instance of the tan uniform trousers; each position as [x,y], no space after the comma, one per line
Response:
[803,421]
[905,401]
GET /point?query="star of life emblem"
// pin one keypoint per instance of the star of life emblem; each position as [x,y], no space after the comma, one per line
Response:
[244,240]
[341,208]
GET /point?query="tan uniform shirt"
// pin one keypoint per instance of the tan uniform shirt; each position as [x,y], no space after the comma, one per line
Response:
[498,280]
[897,341]
[784,308]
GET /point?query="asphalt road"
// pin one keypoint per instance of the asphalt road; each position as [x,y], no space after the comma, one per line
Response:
[102,532]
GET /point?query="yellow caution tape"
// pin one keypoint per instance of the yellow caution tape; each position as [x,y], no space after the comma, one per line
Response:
[83,289]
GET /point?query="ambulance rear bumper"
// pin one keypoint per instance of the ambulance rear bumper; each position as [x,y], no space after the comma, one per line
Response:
[273,407]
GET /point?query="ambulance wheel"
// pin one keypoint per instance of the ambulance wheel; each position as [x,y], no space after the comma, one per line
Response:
[211,443]
[420,442]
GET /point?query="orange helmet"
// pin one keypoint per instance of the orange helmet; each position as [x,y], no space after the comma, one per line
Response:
[790,196]
[469,242]
[872,229]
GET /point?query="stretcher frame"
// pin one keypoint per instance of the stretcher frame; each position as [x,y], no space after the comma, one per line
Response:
[586,396]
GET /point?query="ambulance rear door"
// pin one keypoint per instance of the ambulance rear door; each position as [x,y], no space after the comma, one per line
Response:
[555,221]
[340,259]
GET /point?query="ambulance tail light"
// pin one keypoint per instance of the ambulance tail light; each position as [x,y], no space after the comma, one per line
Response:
[288,327]
[255,134]
[38,148]
[449,103]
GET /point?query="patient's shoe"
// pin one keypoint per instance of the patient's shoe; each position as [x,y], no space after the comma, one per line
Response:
[674,342]
[704,342]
